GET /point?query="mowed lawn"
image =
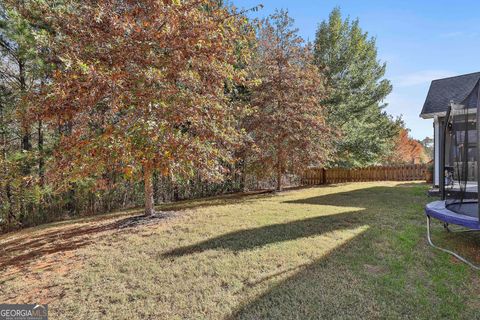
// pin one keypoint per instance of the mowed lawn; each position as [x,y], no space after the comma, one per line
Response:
[354,250]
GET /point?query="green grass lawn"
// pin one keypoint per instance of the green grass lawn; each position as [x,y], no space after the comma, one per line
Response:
[353,250]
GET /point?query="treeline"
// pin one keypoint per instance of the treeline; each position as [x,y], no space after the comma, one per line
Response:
[107,105]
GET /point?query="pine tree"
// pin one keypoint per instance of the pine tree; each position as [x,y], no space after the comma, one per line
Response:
[356,90]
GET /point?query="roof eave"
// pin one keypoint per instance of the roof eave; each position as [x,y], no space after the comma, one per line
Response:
[432,115]
[443,114]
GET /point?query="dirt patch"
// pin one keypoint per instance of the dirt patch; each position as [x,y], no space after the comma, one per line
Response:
[374,269]
[20,251]
[43,257]
[39,278]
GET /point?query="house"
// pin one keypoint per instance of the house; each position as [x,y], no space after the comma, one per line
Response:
[459,90]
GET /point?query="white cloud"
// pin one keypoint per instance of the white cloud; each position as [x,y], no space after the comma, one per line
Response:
[420,77]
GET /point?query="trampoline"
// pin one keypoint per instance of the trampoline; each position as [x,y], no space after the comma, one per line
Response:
[459,177]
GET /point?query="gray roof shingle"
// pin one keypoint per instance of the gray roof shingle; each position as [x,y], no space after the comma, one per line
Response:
[442,91]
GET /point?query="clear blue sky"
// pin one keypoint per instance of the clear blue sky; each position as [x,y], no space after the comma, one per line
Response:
[419,40]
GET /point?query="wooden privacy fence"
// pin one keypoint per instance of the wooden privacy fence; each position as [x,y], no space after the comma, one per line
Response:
[408,172]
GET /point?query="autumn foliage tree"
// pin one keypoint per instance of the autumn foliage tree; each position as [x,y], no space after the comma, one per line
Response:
[407,150]
[143,86]
[287,124]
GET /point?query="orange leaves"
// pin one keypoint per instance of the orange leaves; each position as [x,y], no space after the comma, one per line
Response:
[407,150]
[128,172]
[165,172]
[288,123]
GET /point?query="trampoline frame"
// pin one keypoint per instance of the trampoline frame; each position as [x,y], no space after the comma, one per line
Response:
[456,255]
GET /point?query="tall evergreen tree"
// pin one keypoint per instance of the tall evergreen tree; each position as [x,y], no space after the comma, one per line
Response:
[355,80]
[22,69]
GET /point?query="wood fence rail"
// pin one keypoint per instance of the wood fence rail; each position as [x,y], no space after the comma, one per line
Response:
[408,172]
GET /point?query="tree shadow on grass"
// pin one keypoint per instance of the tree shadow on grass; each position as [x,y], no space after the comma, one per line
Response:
[333,287]
[261,236]
[329,288]
[322,289]
[381,202]
[365,198]
[325,288]
[22,248]
[21,251]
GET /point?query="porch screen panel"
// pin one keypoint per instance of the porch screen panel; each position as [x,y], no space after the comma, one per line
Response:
[461,176]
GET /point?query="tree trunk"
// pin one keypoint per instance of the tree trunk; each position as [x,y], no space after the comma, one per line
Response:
[279,165]
[175,192]
[71,203]
[156,188]
[11,214]
[279,176]
[41,161]
[148,181]
[26,145]
[8,190]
